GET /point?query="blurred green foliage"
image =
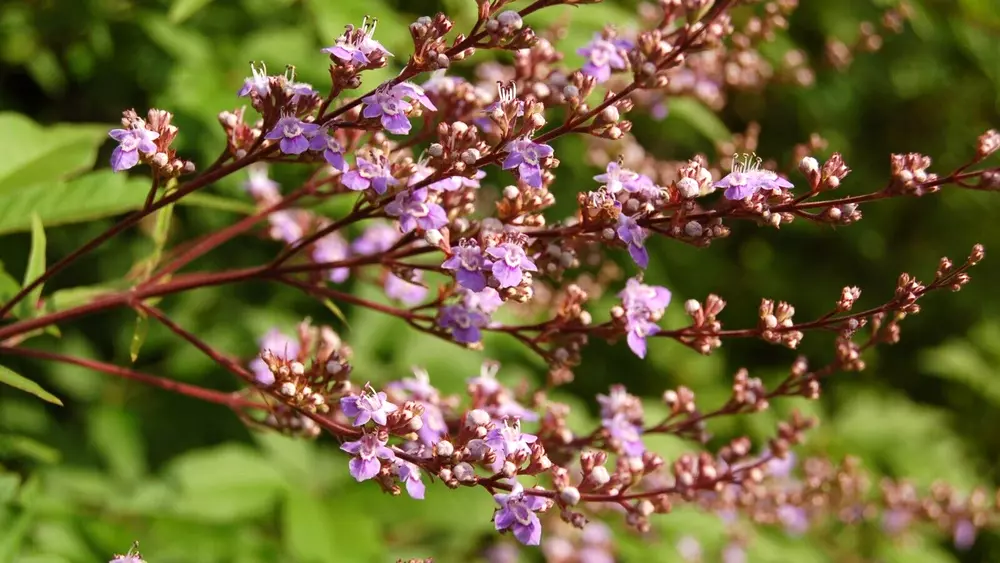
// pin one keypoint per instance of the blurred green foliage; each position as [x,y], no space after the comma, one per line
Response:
[121,462]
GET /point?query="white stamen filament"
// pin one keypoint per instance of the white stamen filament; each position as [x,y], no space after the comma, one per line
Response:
[750,163]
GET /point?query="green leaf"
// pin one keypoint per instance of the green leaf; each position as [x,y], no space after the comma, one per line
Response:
[224,484]
[17,381]
[8,285]
[305,525]
[698,116]
[92,196]
[15,446]
[329,304]
[138,335]
[36,267]
[181,10]
[115,434]
[9,482]
[33,154]
[218,203]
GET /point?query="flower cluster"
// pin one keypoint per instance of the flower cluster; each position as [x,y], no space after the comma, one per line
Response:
[422,212]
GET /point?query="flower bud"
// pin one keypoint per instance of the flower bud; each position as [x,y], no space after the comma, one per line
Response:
[444,449]
[688,188]
[599,476]
[477,417]
[435,150]
[570,496]
[692,306]
[433,237]
[808,165]
[464,472]
[511,192]
[510,19]
[297,368]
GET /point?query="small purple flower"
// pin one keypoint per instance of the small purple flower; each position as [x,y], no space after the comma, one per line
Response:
[603,56]
[333,153]
[486,382]
[375,239]
[294,133]
[644,305]
[376,173]
[368,450]
[258,83]
[487,300]
[510,263]
[508,440]
[747,178]
[616,177]
[794,519]
[464,323]
[527,157]
[625,432]
[896,520]
[259,185]
[130,143]
[964,534]
[634,237]
[356,46]
[409,294]
[285,226]
[281,346]
[414,211]
[409,475]
[517,513]
[299,90]
[389,105]
[467,262]
[332,248]
[367,406]
[781,468]
[734,553]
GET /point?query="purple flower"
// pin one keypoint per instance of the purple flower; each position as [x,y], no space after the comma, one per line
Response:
[333,153]
[285,226]
[294,134]
[634,237]
[409,294]
[467,262]
[527,156]
[414,211]
[517,513]
[357,45]
[368,450]
[625,432]
[259,82]
[643,305]
[259,185]
[369,405]
[734,553]
[602,56]
[747,178]
[130,143]
[376,173]
[332,248]
[616,177]
[464,323]
[510,263]
[281,346]
[389,105]
[896,520]
[409,475]
[509,440]
[964,534]
[487,300]
[794,519]
[486,382]
[781,468]
[299,90]
[375,239]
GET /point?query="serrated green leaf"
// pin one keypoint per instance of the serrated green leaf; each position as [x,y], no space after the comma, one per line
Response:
[698,116]
[36,267]
[92,196]
[34,155]
[139,334]
[181,10]
[18,381]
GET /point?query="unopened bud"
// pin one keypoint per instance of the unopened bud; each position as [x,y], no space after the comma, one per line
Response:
[808,165]
[570,496]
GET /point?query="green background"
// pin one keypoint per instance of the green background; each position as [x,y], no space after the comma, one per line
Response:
[122,462]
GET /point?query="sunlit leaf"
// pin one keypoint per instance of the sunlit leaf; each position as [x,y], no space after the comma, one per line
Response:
[181,10]
[33,154]
[36,267]
[17,381]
